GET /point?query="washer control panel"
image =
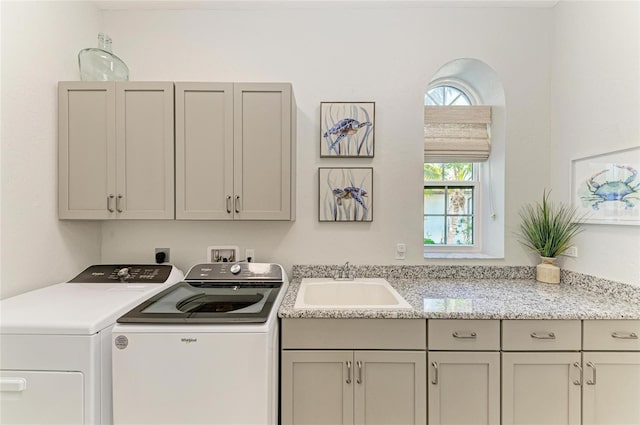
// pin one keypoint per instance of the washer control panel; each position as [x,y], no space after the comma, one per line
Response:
[127,273]
[235,272]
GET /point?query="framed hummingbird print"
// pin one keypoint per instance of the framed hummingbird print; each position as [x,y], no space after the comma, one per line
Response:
[347,129]
[346,194]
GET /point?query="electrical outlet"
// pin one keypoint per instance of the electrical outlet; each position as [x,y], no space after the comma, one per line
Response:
[158,255]
[250,255]
[571,252]
[401,250]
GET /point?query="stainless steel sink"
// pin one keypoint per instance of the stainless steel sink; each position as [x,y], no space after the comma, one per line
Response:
[363,293]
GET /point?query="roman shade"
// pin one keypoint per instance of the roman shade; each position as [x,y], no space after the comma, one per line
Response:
[457,133]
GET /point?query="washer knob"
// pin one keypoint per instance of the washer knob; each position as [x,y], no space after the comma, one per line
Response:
[235,269]
[123,274]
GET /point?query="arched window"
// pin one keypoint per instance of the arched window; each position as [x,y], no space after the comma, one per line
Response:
[451,189]
[464,162]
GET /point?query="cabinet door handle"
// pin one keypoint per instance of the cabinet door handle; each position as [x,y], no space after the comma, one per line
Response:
[118,207]
[464,335]
[109,198]
[592,381]
[237,204]
[546,335]
[229,204]
[348,372]
[579,380]
[624,335]
[359,380]
[435,373]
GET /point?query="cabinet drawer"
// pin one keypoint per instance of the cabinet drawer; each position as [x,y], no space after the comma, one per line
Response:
[360,334]
[462,335]
[618,335]
[541,335]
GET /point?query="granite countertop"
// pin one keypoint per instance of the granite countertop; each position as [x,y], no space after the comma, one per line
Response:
[481,292]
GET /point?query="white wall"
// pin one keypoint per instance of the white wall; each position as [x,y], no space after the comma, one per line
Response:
[595,108]
[40,41]
[550,62]
[344,52]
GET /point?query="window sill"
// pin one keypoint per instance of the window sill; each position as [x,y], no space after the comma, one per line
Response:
[463,255]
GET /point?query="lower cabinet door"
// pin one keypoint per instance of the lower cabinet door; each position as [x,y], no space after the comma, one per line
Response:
[541,388]
[464,388]
[390,387]
[317,387]
[611,388]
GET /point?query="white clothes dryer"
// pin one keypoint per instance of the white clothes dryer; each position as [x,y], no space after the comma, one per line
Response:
[55,343]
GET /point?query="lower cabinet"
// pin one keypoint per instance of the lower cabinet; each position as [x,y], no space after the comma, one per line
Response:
[353,387]
[464,388]
[541,388]
[611,388]
[534,372]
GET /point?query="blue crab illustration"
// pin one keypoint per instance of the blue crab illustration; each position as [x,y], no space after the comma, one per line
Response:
[615,191]
[344,127]
[350,192]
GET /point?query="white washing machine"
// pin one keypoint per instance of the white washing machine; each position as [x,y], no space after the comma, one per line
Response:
[204,351]
[55,343]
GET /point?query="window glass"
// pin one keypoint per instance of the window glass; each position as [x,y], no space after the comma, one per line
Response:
[449,215]
[446,96]
[450,171]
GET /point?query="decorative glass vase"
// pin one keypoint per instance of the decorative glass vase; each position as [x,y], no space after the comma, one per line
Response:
[548,271]
[99,64]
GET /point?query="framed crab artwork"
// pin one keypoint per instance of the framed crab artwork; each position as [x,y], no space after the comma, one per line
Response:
[346,194]
[347,129]
[605,188]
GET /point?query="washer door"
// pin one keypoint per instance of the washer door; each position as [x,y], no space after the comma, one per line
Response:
[35,397]
[205,303]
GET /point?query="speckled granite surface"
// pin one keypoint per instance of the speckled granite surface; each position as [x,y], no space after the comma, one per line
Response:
[480,292]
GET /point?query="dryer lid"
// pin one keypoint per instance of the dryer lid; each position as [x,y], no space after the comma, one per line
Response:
[76,308]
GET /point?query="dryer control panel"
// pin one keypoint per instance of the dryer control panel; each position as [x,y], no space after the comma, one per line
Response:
[134,273]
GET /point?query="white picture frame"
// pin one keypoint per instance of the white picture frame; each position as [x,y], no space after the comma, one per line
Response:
[605,188]
[223,254]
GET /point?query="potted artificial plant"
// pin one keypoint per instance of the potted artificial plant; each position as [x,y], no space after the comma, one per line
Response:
[548,229]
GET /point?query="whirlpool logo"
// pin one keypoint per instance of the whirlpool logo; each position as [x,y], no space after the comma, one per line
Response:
[188,340]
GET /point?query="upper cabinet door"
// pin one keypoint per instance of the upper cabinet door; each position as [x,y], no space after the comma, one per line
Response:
[144,150]
[263,163]
[204,151]
[86,151]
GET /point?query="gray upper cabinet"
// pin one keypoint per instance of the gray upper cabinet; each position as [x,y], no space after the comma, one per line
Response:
[116,150]
[235,151]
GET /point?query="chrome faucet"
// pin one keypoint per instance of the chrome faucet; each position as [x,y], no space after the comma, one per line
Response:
[344,274]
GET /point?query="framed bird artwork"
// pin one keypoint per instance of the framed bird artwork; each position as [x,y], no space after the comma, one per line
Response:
[347,129]
[346,194]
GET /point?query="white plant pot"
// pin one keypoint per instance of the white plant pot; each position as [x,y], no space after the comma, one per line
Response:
[548,271]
